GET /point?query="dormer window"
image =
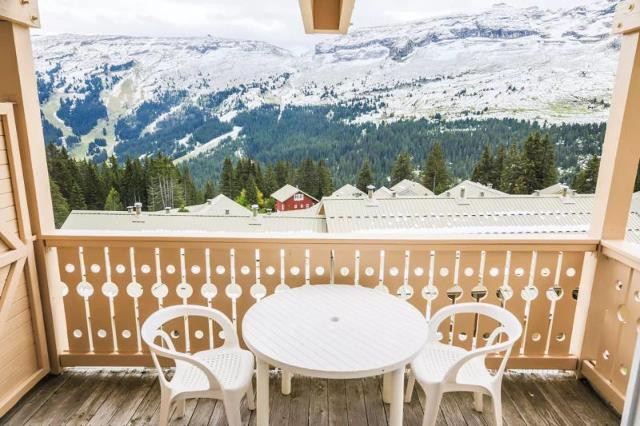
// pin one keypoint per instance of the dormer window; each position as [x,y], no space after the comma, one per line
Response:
[298,197]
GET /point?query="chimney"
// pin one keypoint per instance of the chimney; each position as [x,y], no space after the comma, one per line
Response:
[138,207]
[394,194]
[226,212]
[565,191]
[462,191]
[167,210]
[490,185]
[209,202]
[129,209]
[481,193]
[370,189]
[254,209]
[536,192]
[269,211]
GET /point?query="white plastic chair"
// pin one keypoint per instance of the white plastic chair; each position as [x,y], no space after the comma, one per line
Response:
[223,373]
[441,368]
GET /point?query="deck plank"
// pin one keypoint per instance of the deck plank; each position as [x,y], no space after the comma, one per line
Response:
[131,396]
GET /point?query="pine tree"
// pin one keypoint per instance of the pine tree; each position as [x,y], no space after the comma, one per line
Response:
[436,175]
[227,181]
[113,202]
[325,182]
[586,179]
[60,205]
[483,172]
[270,183]
[538,163]
[242,198]
[251,191]
[76,198]
[365,177]
[512,181]
[498,167]
[209,190]
[402,168]
[308,177]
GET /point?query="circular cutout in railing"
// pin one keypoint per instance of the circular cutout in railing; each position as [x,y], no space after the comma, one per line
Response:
[208,291]
[64,289]
[95,268]
[405,292]
[159,290]
[126,334]
[575,293]
[429,292]
[184,290]
[195,269]
[280,288]
[170,269]
[571,272]
[198,334]
[518,272]
[120,268]
[319,270]
[454,293]
[145,269]
[84,289]
[636,295]
[418,272]
[258,291]
[393,271]
[175,334]
[444,271]
[344,271]
[619,285]
[623,314]
[606,354]
[462,336]
[233,291]
[536,337]
[270,270]
[468,271]
[494,271]
[102,333]
[479,292]
[220,270]
[294,270]
[624,370]
[77,333]
[69,267]
[560,337]
[134,290]
[504,293]
[545,272]
[554,293]
[245,270]
[369,271]
[110,289]
[529,293]
[485,336]
[382,288]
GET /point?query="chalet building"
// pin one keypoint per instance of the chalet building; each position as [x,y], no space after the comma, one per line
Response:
[470,189]
[409,188]
[347,191]
[291,198]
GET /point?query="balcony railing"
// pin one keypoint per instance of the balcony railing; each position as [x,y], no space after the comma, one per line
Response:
[110,284]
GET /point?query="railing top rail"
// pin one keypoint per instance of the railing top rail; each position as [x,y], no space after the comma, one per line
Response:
[623,251]
[492,242]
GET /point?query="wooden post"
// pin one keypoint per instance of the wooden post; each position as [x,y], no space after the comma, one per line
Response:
[621,150]
[18,85]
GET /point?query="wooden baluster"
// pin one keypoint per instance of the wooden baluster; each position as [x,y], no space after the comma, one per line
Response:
[136,289]
[356,272]
[111,292]
[85,296]
[552,307]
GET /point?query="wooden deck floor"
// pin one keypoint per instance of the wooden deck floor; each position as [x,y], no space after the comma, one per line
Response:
[131,396]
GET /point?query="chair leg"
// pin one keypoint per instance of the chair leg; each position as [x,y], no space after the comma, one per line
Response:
[232,410]
[432,405]
[497,407]
[181,407]
[251,399]
[165,406]
[477,401]
[411,382]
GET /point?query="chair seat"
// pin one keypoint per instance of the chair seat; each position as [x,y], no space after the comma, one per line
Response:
[233,368]
[435,360]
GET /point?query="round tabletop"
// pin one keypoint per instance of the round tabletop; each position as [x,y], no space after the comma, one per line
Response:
[334,331]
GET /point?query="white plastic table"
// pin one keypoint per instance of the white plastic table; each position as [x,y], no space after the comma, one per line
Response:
[334,332]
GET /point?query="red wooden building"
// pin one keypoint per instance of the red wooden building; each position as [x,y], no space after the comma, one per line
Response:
[291,198]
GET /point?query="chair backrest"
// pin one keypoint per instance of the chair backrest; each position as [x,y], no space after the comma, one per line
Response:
[510,324]
[156,320]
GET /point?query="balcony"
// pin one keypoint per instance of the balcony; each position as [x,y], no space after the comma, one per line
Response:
[74,302]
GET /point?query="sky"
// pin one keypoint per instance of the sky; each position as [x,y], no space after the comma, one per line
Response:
[274,21]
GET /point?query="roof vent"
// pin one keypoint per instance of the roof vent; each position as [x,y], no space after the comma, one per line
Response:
[536,192]
[370,190]
[209,202]
[167,210]
[226,212]
[482,193]
[130,209]
[138,207]
[489,185]
[254,209]
[462,191]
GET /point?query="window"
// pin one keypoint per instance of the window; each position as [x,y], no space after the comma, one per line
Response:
[298,197]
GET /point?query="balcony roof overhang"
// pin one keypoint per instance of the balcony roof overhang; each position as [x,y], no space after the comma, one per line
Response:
[326,16]
[24,12]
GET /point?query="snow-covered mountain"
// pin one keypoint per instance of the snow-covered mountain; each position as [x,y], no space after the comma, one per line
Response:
[555,65]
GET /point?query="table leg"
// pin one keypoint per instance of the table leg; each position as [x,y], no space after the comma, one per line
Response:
[286,382]
[397,397]
[262,400]
[386,388]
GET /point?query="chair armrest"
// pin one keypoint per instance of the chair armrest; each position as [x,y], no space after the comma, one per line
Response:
[452,374]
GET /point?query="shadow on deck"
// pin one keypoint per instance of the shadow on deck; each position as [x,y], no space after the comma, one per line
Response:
[131,396]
